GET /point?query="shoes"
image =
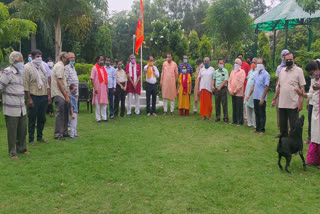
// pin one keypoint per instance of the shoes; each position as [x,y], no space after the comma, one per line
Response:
[148,114]
[277,136]
[154,114]
[261,133]
[26,153]
[14,157]
[254,131]
[172,113]
[217,120]
[32,143]
[105,121]
[111,117]
[164,113]
[99,121]
[60,138]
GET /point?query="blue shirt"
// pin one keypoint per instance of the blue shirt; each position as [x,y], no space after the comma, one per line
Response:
[74,104]
[261,80]
[112,77]
[189,68]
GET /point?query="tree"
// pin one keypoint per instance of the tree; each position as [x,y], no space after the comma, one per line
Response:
[13,29]
[205,47]
[194,44]
[72,15]
[309,5]
[264,50]
[104,44]
[229,21]
[258,8]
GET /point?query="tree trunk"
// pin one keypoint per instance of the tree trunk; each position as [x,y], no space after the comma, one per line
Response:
[33,41]
[57,39]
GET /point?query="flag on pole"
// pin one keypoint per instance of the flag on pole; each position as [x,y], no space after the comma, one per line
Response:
[140,29]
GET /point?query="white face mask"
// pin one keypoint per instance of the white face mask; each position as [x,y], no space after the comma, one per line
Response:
[50,64]
[19,66]
[260,67]
[37,61]
[236,67]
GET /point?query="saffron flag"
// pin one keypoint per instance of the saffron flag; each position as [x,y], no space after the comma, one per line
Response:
[140,29]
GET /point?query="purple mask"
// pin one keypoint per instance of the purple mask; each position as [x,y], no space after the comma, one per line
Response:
[133,61]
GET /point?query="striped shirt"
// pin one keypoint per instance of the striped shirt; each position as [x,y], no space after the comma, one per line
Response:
[11,86]
[72,76]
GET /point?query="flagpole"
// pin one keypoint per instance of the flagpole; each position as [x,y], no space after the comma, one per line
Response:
[141,69]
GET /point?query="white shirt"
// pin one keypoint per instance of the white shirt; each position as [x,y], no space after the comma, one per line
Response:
[311,101]
[47,69]
[152,80]
[206,78]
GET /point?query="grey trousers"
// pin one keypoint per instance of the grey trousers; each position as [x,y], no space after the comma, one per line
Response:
[61,125]
[17,132]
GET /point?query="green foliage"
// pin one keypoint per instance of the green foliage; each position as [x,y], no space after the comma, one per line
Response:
[264,50]
[83,68]
[309,5]
[194,44]
[104,43]
[13,29]
[205,47]
[229,20]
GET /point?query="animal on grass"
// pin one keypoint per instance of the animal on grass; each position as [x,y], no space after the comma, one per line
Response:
[292,144]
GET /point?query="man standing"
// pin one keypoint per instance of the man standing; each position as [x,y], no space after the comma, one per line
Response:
[134,87]
[168,81]
[60,94]
[112,84]
[290,104]
[11,86]
[248,102]
[219,87]
[38,93]
[152,73]
[205,88]
[279,69]
[99,79]
[260,90]
[246,67]
[72,76]
[236,87]
[185,63]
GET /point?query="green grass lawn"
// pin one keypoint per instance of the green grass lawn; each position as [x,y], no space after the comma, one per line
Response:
[164,164]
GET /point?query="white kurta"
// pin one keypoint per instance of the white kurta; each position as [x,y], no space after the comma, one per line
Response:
[315,131]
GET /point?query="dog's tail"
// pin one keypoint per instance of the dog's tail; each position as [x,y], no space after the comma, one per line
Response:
[279,144]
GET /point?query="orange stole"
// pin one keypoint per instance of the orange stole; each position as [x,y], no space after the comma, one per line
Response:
[205,103]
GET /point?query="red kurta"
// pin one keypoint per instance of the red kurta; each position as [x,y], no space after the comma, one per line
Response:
[130,88]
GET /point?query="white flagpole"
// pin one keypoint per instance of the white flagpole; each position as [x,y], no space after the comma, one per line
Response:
[141,70]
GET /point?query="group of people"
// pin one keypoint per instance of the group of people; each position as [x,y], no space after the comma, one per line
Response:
[248,85]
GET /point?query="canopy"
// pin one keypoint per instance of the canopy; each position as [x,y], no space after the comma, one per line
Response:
[287,12]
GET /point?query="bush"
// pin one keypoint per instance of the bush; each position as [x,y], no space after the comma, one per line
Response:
[83,68]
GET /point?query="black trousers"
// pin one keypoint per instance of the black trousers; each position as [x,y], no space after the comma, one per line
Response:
[237,110]
[260,112]
[287,114]
[120,95]
[37,114]
[221,97]
[16,133]
[151,90]
[309,121]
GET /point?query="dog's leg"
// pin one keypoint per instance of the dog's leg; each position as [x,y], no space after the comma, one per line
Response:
[279,162]
[288,158]
[304,162]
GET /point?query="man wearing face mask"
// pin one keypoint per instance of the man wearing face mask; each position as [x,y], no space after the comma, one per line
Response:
[60,94]
[38,93]
[134,86]
[112,84]
[279,68]
[236,88]
[259,90]
[152,73]
[205,88]
[219,86]
[168,81]
[196,86]
[99,79]
[290,104]
[186,64]
[248,102]
[11,87]
[72,76]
